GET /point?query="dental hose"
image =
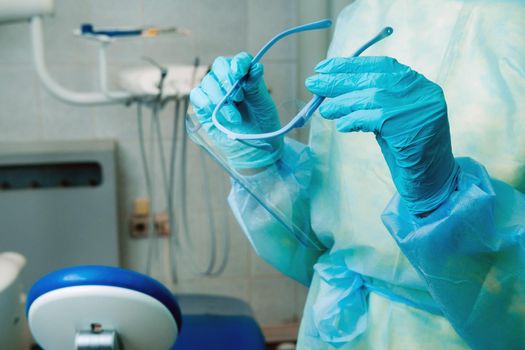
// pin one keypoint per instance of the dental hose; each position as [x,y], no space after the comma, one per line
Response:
[214,266]
[173,239]
[149,190]
[167,188]
[173,156]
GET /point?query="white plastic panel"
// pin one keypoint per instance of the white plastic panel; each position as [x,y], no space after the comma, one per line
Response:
[144,81]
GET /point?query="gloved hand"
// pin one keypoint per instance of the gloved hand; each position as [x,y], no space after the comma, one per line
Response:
[406,112]
[252,112]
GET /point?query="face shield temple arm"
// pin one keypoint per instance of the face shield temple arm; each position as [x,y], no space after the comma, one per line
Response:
[307,111]
[386,32]
[322,24]
[325,23]
[298,121]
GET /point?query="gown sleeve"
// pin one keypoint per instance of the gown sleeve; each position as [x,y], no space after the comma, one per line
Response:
[471,254]
[284,188]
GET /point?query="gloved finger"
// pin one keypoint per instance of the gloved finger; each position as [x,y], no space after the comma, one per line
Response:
[360,64]
[331,85]
[212,88]
[363,120]
[203,108]
[221,68]
[222,71]
[345,104]
[202,104]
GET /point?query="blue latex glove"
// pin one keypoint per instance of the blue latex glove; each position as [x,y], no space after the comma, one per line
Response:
[252,112]
[406,112]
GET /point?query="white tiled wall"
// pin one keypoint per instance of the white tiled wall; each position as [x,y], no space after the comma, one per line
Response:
[222,27]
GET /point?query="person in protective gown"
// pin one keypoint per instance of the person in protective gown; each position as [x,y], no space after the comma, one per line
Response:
[424,238]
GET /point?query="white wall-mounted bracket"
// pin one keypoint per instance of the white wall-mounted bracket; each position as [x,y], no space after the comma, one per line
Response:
[78,98]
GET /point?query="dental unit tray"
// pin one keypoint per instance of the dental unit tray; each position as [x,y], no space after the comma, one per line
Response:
[144,80]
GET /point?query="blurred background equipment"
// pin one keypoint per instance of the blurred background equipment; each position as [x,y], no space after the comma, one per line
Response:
[112,62]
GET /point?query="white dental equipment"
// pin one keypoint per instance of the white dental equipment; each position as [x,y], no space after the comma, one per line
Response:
[96,307]
[143,81]
[109,308]
[102,307]
[34,10]
[140,85]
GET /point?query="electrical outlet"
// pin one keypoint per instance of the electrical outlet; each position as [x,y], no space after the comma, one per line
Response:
[139,220]
[162,224]
[138,226]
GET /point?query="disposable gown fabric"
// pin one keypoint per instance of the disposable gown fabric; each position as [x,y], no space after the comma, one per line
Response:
[476,52]
[287,183]
[471,254]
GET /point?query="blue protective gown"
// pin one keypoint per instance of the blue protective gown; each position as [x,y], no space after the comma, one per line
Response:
[387,279]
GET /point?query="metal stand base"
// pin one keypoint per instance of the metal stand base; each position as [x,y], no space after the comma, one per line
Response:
[97,340]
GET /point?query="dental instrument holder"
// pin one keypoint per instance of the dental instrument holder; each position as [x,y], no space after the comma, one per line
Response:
[158,101]
[35,11]
[103,42]
[307,111]
[104,39]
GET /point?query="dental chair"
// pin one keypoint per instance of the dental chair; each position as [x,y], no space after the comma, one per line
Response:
[109,308]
